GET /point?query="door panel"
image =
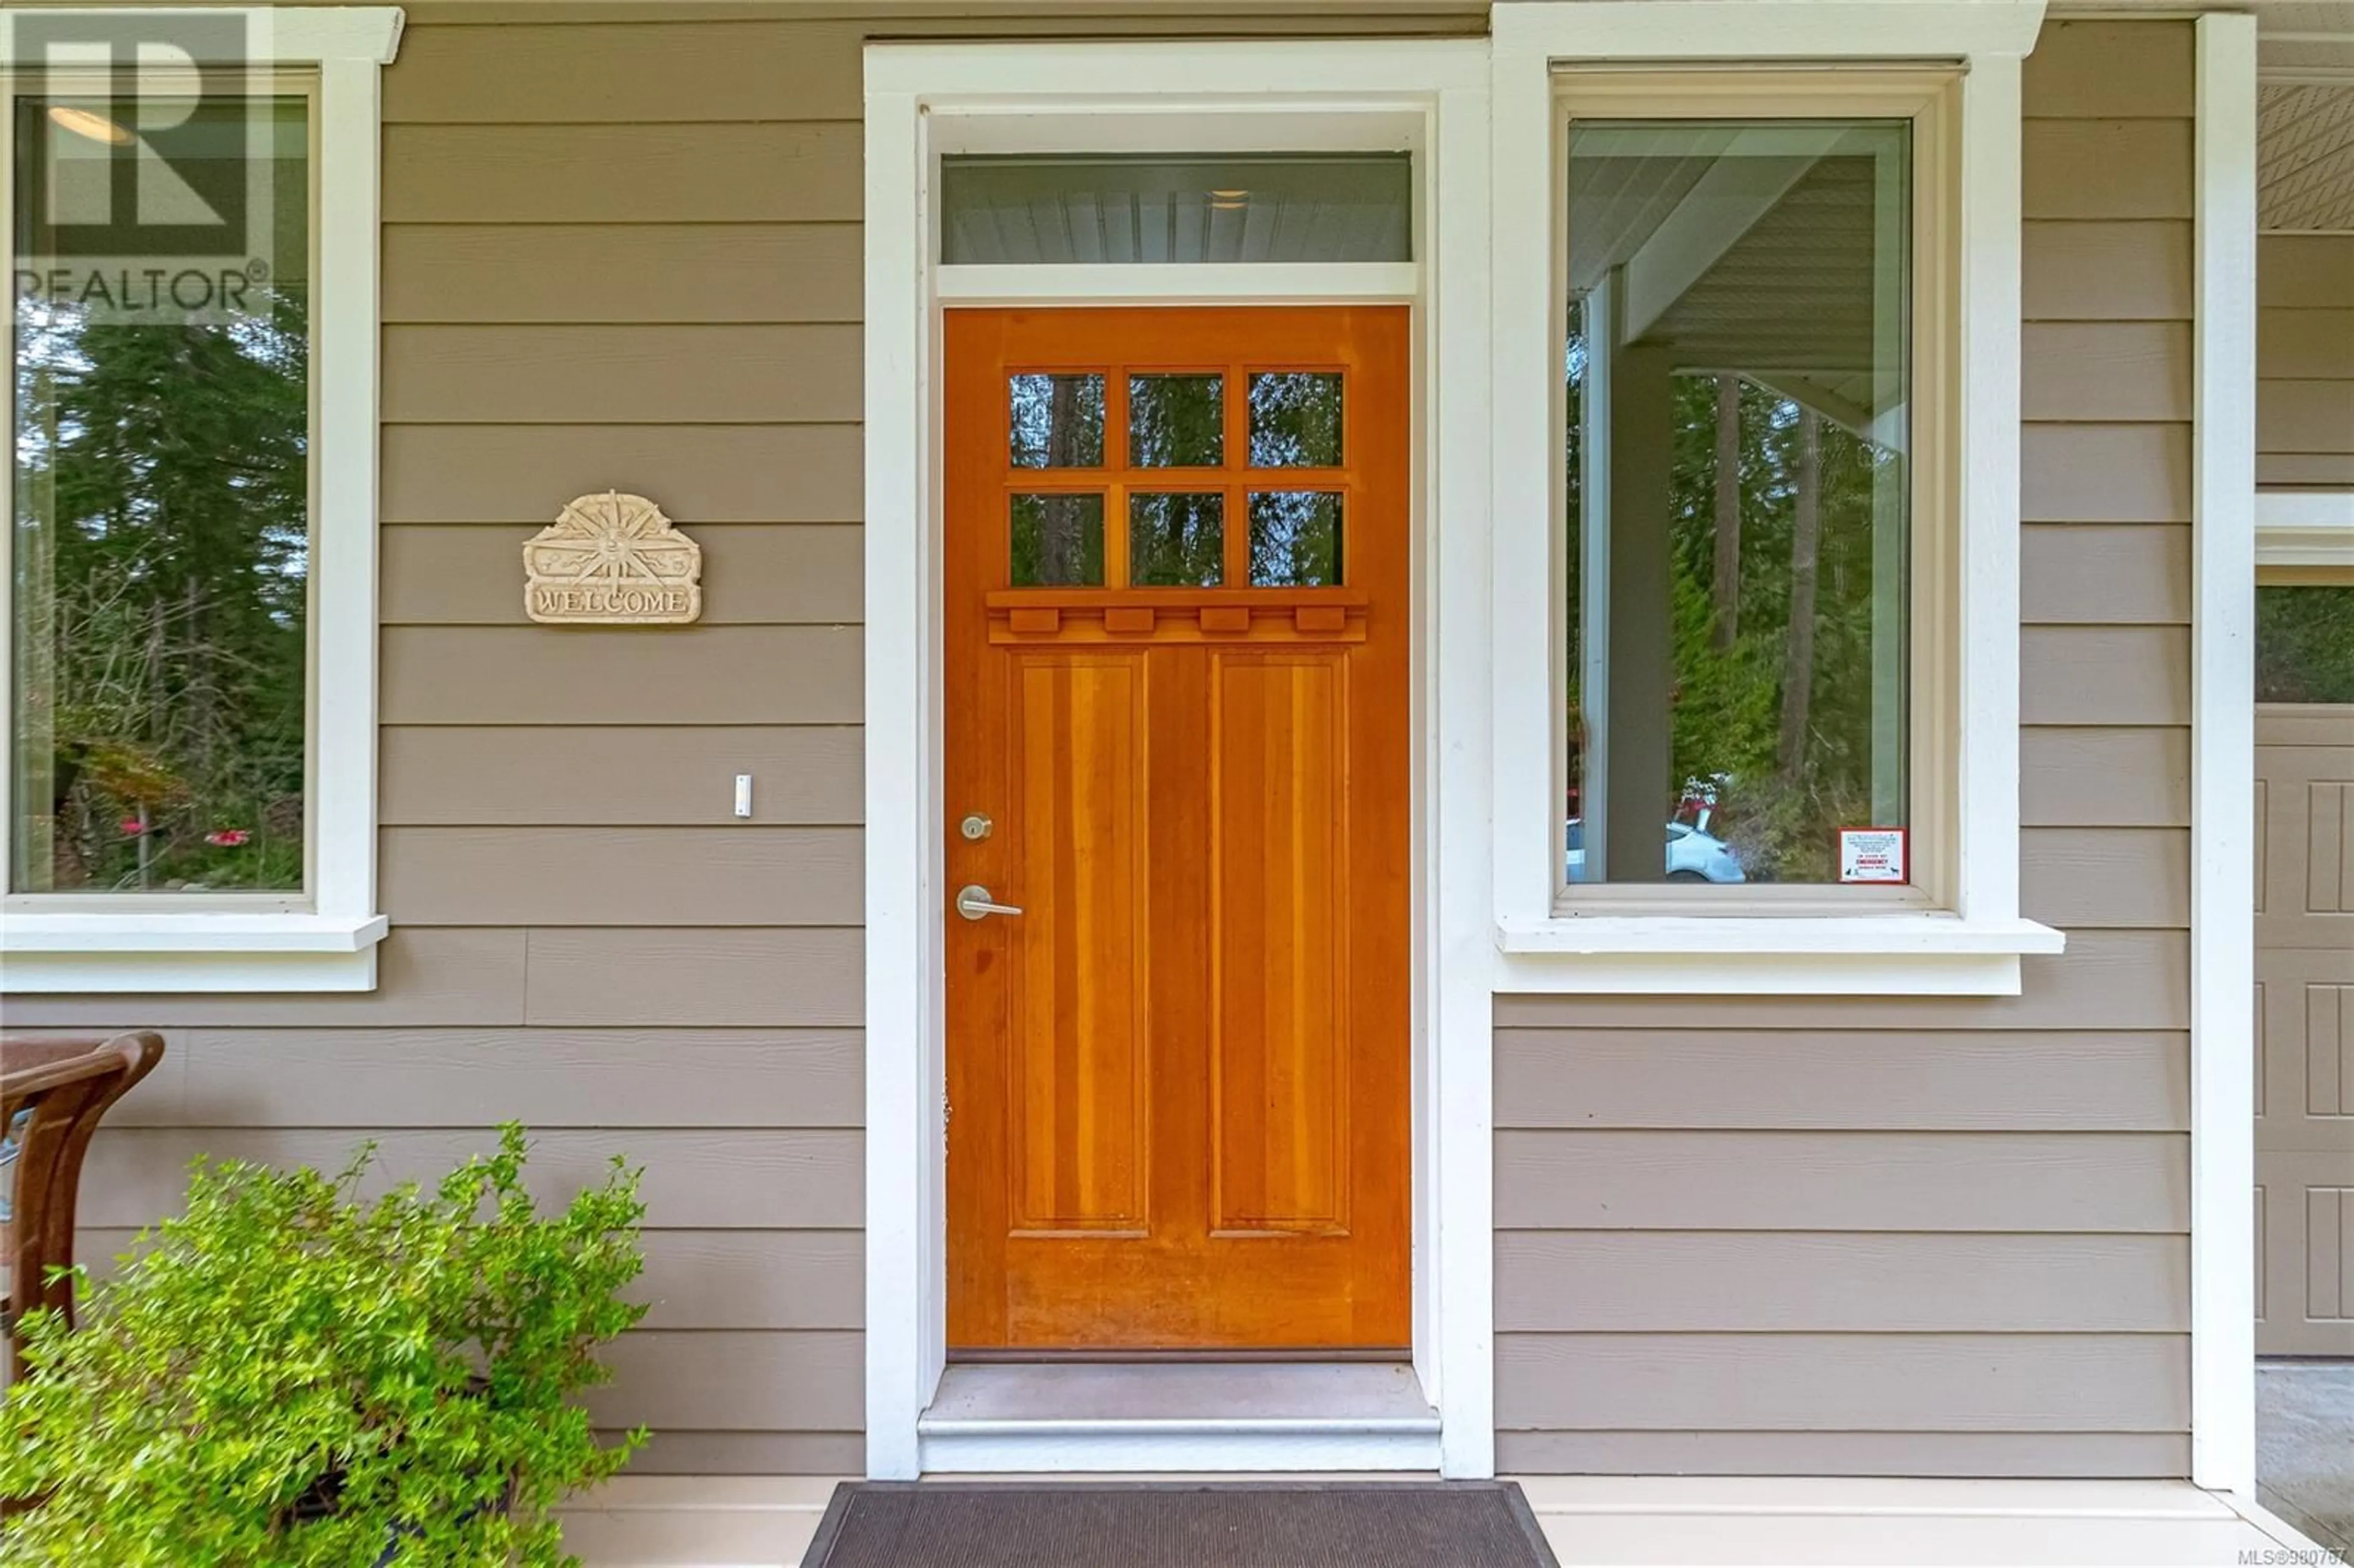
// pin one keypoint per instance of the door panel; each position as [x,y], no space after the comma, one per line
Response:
[2305,1035]
[1079,1053]
[1280,1061]
[1175,614]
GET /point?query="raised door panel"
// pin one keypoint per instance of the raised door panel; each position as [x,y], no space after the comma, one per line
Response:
[1279,1057]
[1079,1062]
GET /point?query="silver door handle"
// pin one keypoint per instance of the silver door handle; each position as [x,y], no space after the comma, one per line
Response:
[972,902]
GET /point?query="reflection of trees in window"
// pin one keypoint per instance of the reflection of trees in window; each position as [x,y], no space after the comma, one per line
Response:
[1176,541]
[1056,421]
[2305,645]
[162,565]
[1771,628]
[1176,421]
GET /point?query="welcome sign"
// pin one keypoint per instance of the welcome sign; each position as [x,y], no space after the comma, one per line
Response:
[612,560]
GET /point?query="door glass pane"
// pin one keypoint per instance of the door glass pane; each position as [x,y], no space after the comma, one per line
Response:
[1057,421]
[1295,419]
[1176,541]
[1739,425]
[1275,206]
[1295,539]
[1058,541]
[2305,645]
[1176,421]
[160,556]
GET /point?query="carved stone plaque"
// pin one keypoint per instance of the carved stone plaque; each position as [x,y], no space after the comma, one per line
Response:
[612,560]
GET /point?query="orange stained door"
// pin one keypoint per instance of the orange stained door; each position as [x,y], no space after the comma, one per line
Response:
[1177,602]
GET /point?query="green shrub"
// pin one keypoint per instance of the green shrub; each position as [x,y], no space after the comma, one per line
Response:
[290,1376]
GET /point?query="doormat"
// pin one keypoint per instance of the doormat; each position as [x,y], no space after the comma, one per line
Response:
[1179,1524]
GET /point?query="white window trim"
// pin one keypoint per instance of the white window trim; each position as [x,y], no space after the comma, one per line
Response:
[1973,947]
[63,943]
[1179,96]
[2304,530]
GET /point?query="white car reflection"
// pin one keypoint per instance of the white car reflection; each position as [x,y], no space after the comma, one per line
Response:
[1692,855]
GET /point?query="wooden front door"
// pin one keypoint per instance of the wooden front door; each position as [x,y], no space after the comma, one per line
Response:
[1177,602]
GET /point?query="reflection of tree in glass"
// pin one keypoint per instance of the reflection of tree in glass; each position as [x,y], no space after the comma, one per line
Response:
[1295,539]
[2305,645]
[1176,541]
[162,569]
[1058,541]
[1057,421]
[1176,421]
[1783,707]
[1295,419]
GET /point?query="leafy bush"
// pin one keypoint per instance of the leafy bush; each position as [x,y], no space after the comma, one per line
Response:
[290,1375]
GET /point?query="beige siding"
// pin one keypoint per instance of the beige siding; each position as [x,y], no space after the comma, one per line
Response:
[621,247]
[659,294]
[2305,360]
[1748,1236]
[1776,1236]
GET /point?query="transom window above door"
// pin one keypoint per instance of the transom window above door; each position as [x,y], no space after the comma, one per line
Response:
[1084,208]
[1190,477]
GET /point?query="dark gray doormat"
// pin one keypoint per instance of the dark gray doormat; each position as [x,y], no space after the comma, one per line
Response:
[1179,1524]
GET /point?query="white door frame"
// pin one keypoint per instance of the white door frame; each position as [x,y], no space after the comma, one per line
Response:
[1176,96]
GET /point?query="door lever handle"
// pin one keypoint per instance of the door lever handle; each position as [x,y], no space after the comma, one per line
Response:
[972,902]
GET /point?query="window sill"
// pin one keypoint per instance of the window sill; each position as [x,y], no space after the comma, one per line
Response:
[190,951]
[1688,955]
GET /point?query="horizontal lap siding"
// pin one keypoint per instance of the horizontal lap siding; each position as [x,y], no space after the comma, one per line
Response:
[2305,360]
[623,257]
[1774,1235]
[621,247]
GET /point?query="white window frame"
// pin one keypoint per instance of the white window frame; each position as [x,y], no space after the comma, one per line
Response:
[1972,943]
[325,937]
[2305,533]
[1177,96]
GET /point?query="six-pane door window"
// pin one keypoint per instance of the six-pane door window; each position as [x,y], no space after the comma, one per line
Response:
[1177,524]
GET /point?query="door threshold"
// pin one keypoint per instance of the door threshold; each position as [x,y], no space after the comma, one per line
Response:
[1178,1416]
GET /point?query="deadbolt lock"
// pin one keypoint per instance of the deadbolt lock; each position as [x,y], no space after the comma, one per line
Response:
[975,827]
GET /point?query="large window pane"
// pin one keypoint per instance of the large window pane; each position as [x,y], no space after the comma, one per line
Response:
[2305,645]
[161,556]
[1737,499]
[1274,206]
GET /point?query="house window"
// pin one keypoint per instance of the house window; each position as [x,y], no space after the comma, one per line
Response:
[190,201]
[1739,413]
[2305,642]
[163,501]
[1759,735]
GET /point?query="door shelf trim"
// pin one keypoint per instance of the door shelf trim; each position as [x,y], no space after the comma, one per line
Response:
[1426,96]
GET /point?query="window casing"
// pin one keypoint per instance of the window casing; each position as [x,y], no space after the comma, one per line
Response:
[275,932]
[1951,75]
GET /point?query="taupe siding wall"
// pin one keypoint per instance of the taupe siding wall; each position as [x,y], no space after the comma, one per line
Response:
[1930,1236]
[663,298]
[617,252]
[2304,359]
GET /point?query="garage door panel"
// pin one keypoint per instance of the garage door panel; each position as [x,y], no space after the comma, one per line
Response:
[2306,1243]
[2305,1030]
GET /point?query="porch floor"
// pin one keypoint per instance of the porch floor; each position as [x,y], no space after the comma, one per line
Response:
[665,1522]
